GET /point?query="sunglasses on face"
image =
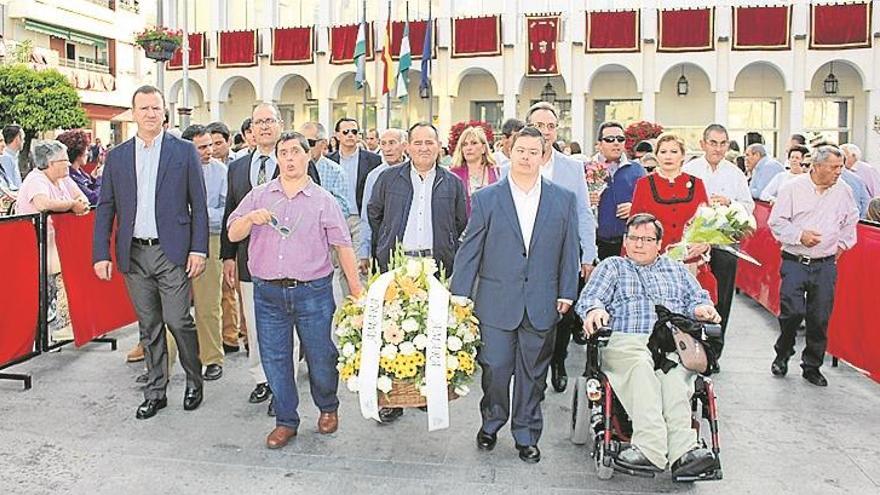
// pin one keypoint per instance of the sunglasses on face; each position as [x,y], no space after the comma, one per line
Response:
[349,132]
[611,139]
[312,142]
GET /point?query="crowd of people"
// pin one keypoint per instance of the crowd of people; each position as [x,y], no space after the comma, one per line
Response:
[251,228]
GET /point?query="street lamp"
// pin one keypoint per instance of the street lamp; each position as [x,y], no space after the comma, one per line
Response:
[681,87]
[548,94]
[831,84]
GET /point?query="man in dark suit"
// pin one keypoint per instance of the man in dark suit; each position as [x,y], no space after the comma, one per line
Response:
[519,261]
[154,189]
[248,171]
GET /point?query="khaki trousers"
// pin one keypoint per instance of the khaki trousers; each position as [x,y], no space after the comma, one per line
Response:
[231,319]
[354,228]
[207,296]
[658,403]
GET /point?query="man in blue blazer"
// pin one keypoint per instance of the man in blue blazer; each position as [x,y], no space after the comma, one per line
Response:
[518,261]
[153,188]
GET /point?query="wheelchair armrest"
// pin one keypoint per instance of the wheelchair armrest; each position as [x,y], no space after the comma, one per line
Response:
[601,336]
[712,329]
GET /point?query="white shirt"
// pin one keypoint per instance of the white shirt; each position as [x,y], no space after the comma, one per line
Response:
[726,180]
[147,170]
[419,233]
[271,165]
[500,159]
[526,203]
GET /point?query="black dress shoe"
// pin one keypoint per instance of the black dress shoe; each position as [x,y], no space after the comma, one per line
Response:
[779,367]
[813,376]
[271,410]
[486,441]
[142,378]
[213,372]
[529,453]
[192,399]
[260,394]
[694,463]
[229,349]
[558,377]
[150,407]
[390,414]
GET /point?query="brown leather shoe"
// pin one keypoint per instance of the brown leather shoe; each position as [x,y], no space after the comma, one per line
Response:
[279,437]
[328,422]
[136,354]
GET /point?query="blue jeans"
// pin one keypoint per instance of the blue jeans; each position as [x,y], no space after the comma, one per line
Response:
[309,308]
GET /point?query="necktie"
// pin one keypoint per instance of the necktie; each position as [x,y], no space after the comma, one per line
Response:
[261,174]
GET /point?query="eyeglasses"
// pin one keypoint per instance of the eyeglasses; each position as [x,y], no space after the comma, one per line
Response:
[635,239]
[265,122]
[349,132]
[541,125]
[611,139]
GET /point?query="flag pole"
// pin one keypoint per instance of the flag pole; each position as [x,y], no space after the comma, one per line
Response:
[407,99]
[385,75]
[366,40]
[429,55]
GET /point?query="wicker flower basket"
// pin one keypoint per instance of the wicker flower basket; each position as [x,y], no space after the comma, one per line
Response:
[406,394]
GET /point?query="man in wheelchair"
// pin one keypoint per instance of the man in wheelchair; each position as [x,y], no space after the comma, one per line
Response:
[622,294]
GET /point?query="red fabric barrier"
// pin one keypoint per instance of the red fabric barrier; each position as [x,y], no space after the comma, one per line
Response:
[476,37]
[686,30]
[237,48]
[342,41]
[96,307]
[416,38]
[292,46]
[613,31]
[762,28]
[761,283]
[196,53]
[840,26]
[20,304]
[543,31]
[854,331]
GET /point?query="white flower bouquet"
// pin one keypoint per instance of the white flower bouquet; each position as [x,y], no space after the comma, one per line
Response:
[404,333]
[720,226]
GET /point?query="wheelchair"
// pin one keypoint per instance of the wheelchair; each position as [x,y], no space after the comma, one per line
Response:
[599,416]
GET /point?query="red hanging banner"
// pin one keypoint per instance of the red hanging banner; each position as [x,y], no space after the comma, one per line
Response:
[237,48]
[686,30]
[196,53]
[96,307]
[20,304]
[416,38]
[762,28]
[613,32]
[292,46]
[476,37]
[342,42]
[840,26]
[543,32]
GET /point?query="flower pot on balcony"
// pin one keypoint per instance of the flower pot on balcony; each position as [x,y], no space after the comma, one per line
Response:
[161,50]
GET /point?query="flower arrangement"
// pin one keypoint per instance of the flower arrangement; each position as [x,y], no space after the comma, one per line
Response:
[640,131]
[596,175]
[717,225]
[457,129]
[159,33]
[404,333]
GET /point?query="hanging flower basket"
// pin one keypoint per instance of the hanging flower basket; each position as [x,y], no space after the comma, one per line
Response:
[159,43]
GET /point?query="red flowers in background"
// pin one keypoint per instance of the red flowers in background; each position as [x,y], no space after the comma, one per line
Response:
[458,128]
[640,131]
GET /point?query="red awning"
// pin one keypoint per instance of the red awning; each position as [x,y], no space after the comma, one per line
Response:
[102,112]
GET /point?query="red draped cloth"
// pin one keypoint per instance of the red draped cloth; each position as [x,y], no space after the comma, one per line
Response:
[543,32]
[196,53]
[761,28]
[292,45]
[761,283]
[613,31]
[476,37]
[686,30]
[840,26]
[416,38]
[20,304]
[237,49]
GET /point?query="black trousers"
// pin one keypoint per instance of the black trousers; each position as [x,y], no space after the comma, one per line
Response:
[807,292]
[723,266]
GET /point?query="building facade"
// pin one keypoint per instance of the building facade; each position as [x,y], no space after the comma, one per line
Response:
[775,91]
[91,42]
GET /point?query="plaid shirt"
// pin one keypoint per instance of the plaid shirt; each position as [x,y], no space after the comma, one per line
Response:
[615,287]
[334,181]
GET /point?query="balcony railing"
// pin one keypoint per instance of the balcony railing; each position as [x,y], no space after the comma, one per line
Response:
[79,64]
[102,3]
[129,5]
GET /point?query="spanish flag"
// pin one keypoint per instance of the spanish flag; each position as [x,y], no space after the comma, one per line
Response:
[388,73]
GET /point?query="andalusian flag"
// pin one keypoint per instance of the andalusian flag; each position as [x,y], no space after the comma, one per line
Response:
[360,57]
[388,71]
[403,64]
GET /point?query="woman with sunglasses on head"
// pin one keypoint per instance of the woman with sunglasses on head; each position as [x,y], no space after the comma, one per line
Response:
[673,197]
[472,162]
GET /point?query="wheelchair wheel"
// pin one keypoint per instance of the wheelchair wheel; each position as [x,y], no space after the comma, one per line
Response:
[603,472]
[580,413]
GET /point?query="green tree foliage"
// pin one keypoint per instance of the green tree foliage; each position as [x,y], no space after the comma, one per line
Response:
[38,101]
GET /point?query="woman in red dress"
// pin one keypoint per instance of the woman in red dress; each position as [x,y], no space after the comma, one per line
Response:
[673,197]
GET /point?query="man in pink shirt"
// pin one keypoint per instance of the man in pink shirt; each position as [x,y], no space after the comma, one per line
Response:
[293,224]
[814,218]
[866,172]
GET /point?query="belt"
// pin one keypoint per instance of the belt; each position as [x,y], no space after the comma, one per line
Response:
[805,260]
[145,242]
[287,282]
[419,253]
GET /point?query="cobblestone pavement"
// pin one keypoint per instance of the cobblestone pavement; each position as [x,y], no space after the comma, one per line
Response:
[75,432]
